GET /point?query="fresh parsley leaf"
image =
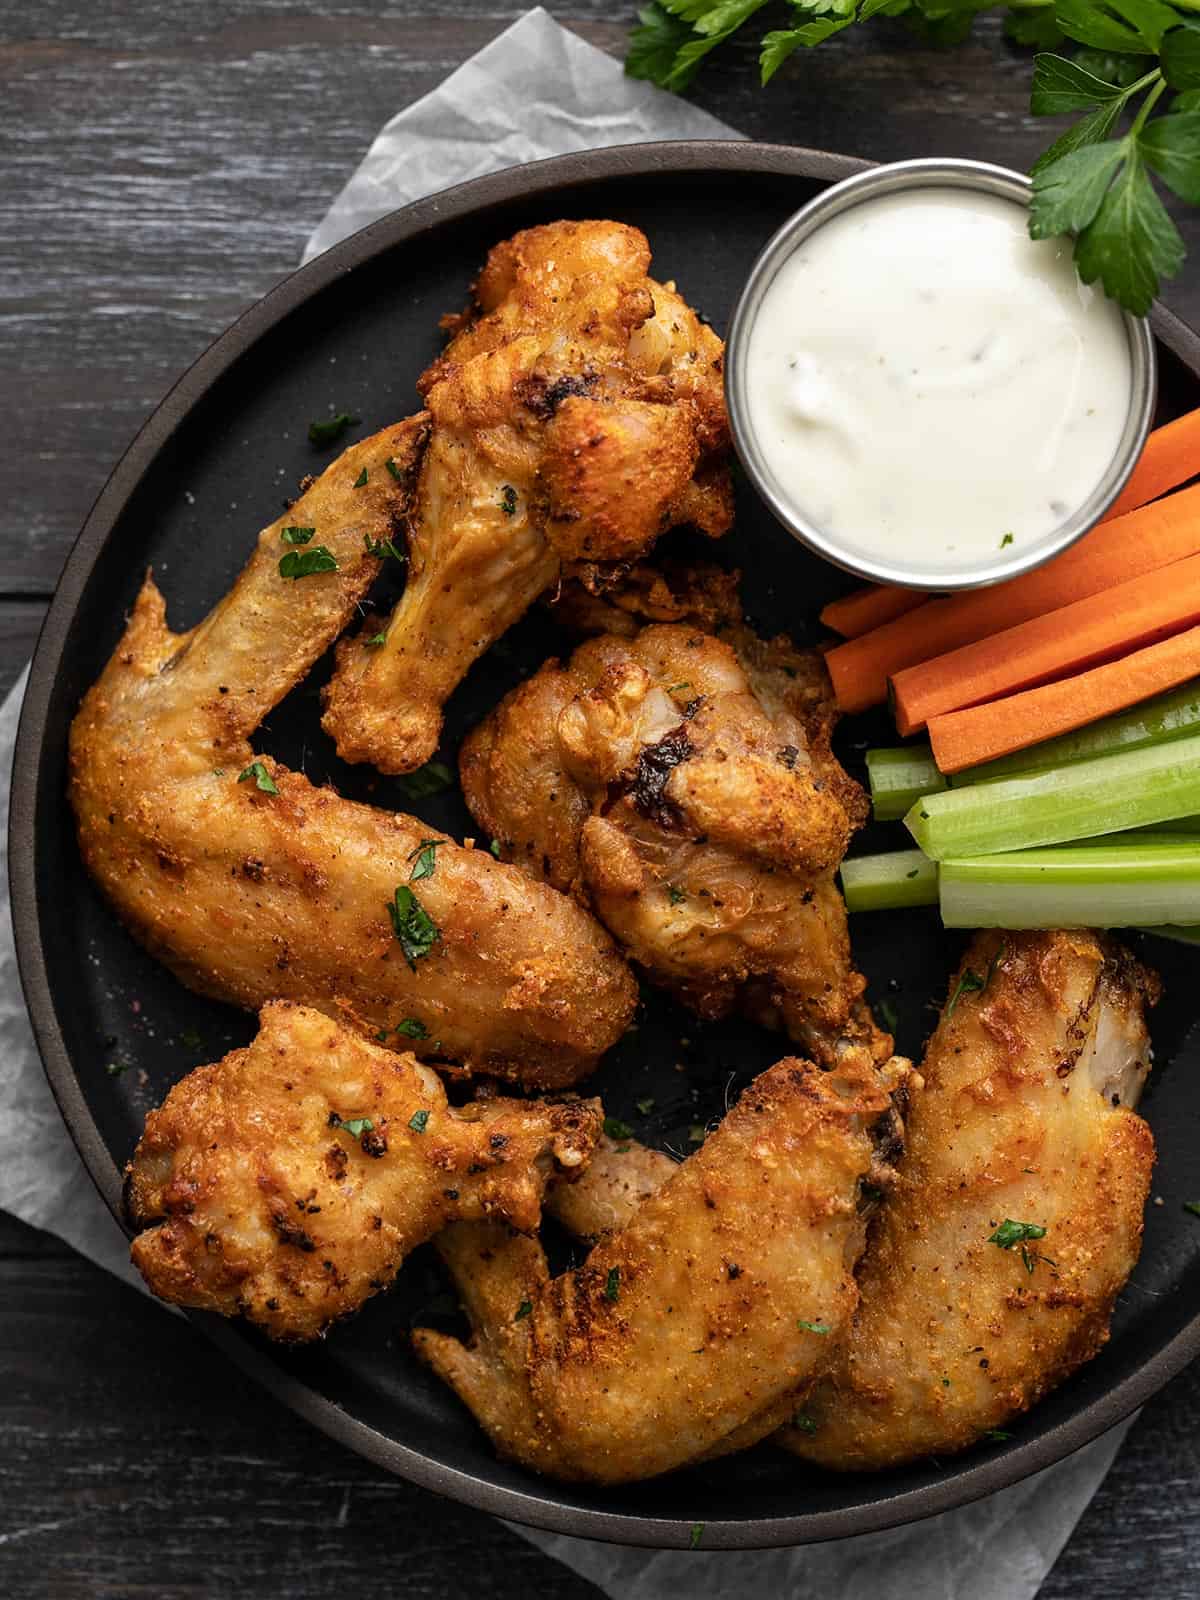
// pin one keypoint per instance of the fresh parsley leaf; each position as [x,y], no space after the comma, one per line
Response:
[1010,1233]
[1068,194]
[616,1129]
[1036,26]
[377,640]
[382,548]
[1093,129]
[419,1121]
[330,430]
[412,1028]
[1130,27]
[645,1106]
[430,779]
[262,778]
[415,930]
[1181,56]
[1113,68]
[612,1284]
[1188,101]
[779,45]
[304,563]
[711,24]
[354,1126]
[116,1068]
[1004,544]
[426,862]
[494,847]
[396,472]
[812,1327]
[654,45]
[1061,85]
[296,535]
[523,1310]
[508,500]
[1188,1205]
[361,481]
[997,1435]
[969,983]
[1171,146]
[695,1536]
[1132,243]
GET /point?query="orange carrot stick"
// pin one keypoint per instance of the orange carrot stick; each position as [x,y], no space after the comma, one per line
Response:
[1141,541]
[1171,456]
[1051,646]
[868,608]
[981,733]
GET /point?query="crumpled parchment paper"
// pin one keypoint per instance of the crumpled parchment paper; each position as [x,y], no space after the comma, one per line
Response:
[539,91]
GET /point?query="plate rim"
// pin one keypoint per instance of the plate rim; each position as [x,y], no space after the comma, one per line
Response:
[960,1485]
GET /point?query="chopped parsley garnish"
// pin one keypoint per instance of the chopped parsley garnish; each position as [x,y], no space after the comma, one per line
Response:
[646,1106]
[381,548]
[426,862]
[675,894]
[306,563]
[804,1422]
[412,1028]
[494,847]
[970,982]
[1007,540]
[672,688]
[1010,1233]
[332,429]
[395,471]
[116,1068]
[262,778]
[419,1121]
[523,1310]
[695,1536]
[376,640]
[997,1434]
[361,481]
[616,1129]
[415,930]
[913,873]
[296,535]
[813,1327]
[430,779]
[1193,1206]
[612,1284]
[354,1126]
[508,500]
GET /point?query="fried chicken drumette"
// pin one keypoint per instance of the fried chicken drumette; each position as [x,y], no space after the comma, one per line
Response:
[575,416]
[288,1182]
[683,786]
[1016,1216]
[253,885]
[696,1318]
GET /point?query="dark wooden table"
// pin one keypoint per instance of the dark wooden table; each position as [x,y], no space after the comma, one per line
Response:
[163,163]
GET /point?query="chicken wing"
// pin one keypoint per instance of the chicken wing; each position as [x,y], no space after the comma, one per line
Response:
[253,885]
[1016,1217]
[288,1182]
[684,787]
[723,1291]
[576,415]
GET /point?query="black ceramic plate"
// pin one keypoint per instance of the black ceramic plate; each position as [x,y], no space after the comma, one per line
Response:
[210,468]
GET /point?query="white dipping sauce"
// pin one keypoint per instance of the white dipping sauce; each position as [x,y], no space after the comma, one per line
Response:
[929,386]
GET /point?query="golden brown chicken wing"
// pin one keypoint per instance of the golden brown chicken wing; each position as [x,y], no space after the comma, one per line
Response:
[723,1291]
[253,885]
[683,786]
[288,1182]
[1016,1217]
[576,415]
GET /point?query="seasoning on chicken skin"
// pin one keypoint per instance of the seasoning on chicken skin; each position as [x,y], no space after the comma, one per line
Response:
[1016,1216]
[288,1182]
[724,1290]
[683,786]
[576,415]
[253,885]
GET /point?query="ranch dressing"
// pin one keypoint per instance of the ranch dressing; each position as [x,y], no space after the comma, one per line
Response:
[929,385]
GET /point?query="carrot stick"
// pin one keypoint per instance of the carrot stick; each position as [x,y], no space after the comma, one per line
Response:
[1171,456]
[981,733]
[1141,541]
[1059,642]
[869,608]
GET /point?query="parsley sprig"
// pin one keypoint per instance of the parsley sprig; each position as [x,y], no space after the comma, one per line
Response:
[1132,80]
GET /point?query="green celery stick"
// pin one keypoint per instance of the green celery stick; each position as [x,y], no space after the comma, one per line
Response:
[899,777]
[1106,883]
[891,881]
[1079,801]
[1179,933]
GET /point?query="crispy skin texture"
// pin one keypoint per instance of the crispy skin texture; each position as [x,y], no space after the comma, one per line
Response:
[254,1200]
[621,599]
[686,1324]
[249,896]
[1016,1120]
[577,414]
[684,787]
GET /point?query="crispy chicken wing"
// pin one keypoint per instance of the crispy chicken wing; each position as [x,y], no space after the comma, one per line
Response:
[576,415]
[971,1312]
[723,1291]
[253,885]
[684,786]
[289,1181]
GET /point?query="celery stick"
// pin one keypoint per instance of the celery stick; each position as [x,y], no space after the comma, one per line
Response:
[1180,934]
[899,777]
[1168,716]
[1078,801]
[892,881]
[1112,883]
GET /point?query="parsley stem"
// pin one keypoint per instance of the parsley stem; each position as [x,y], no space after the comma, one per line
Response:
[1148,104]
